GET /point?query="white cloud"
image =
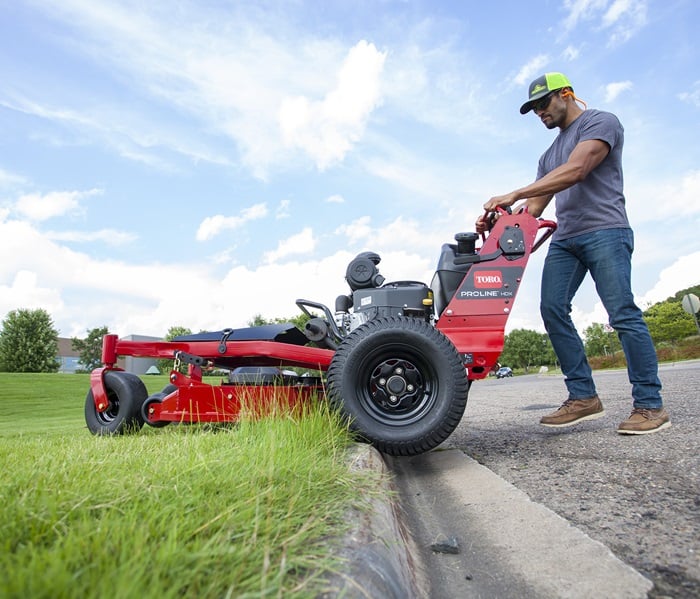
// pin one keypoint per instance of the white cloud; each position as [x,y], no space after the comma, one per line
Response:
[620,19]
[660,198]
[579,10]
[613,90]
[250,87]
[419,178]
[532,69]
[24,292]
[23,247]
[327,129]
[303,242]
[683,273]
[283,210]
[625,18]
[81,292]
[37,272]
[571,53]
[432,82]
[355,231]
[108,236]
[38,207]
[213,225]
[692,97]
[409,249]
[228,69]
[335,199]
[8,179]
[126,132]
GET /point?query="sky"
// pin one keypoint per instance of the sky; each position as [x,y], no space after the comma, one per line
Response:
[197,163]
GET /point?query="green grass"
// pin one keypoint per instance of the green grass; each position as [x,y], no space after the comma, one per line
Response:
[42,403]
[249,510]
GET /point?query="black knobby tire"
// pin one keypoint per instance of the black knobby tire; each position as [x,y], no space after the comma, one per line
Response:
[400,383]
[126,394]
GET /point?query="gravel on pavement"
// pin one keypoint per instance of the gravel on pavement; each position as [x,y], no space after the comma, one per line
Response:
[637,494]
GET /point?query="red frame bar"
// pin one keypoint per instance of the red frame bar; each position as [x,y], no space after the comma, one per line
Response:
[262,353]
[195,401]
[213,403]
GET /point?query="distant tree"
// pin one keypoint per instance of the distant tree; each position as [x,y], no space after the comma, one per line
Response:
[599,342]
[175,331]
[90,348]
[258,321]
[299,320]
[28,342]
[524,348]
[667,321]
[695,290]
[550,358]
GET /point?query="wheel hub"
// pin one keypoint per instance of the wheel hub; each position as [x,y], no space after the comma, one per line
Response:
[396,386]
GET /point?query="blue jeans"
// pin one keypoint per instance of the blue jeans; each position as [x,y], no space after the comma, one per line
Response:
[607,256]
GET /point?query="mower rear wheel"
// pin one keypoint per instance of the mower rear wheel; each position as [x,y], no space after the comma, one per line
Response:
[400,383]
[125,393]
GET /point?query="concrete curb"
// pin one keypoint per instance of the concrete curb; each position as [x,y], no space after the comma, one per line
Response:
[378,552]
[553,557]
[532,544]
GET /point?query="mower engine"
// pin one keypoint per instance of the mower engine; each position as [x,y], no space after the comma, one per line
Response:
[371,298]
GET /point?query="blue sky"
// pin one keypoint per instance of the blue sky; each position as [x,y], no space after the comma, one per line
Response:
[197,163]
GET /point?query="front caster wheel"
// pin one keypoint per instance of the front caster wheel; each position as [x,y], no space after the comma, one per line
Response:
[125,394]
[156,398]
[401,384]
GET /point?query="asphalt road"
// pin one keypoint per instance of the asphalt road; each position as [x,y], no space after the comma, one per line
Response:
[637,495]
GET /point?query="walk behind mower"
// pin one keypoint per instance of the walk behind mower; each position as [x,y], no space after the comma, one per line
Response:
[394,358]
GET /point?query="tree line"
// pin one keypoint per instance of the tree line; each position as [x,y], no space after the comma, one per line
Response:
[667,321]
[29,338]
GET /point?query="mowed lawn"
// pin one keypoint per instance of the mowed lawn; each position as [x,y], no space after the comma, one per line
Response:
[253,509]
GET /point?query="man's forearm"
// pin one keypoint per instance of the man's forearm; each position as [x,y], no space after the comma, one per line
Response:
[536,205]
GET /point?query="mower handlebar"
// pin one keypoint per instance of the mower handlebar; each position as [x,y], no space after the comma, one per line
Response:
[491,216]
[550,227]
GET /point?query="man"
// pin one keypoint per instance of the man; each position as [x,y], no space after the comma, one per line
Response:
[583,169]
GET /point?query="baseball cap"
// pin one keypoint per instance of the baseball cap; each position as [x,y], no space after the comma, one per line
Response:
[541,86]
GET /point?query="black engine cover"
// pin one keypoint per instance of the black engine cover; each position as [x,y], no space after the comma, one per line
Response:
[402,298]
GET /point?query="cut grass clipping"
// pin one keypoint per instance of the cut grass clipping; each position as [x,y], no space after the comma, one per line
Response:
[245,510]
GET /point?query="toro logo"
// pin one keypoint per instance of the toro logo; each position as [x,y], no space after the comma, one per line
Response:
[488,279]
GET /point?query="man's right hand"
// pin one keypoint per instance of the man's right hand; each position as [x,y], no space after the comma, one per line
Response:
[482,224]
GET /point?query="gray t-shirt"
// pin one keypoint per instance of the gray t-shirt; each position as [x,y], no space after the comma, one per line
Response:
[598,201]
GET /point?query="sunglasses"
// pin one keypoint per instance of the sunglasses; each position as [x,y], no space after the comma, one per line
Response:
[542,103]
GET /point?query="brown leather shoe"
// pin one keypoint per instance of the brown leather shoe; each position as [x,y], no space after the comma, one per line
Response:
[643,421]
[573,411]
